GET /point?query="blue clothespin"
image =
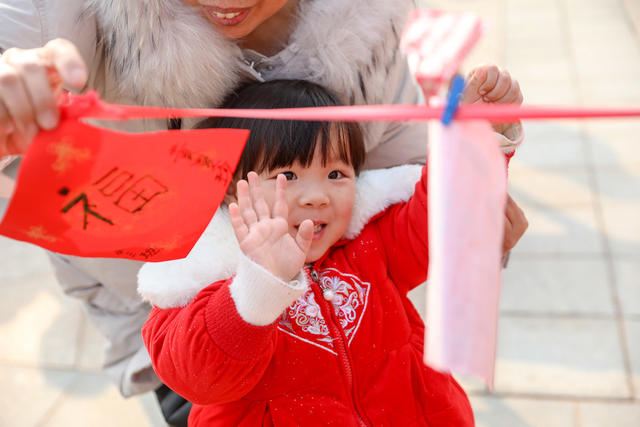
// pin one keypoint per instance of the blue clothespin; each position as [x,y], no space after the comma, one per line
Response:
[453,99]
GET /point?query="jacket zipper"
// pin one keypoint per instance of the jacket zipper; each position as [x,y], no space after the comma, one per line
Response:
[339,341]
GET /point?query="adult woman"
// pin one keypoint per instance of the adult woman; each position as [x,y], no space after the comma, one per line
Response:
[191,53]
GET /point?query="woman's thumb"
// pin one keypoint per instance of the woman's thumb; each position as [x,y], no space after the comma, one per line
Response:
[67,64]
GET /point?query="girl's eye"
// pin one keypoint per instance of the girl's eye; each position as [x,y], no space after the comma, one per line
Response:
[336,175]
[289,175]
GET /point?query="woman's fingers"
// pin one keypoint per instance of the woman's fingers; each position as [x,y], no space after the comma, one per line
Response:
[32,69]
[29,83]
[16,99]
[67,61]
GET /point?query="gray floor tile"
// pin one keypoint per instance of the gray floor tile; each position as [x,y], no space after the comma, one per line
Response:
[21,259]
[632,331]
[620,198]
[550,146]
[613,143]
[38,325]
[614,93]
[609,414]
[100,404]
[558,286]
[565,92]
[622,222]
[29,394]
[627,274]
[569,357]
[555,187]
[557,230]
[491,411]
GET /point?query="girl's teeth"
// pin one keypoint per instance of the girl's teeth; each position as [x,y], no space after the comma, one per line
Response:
[317,228]
[227,15]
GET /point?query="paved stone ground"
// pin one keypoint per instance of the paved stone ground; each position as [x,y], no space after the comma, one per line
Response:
[569,349]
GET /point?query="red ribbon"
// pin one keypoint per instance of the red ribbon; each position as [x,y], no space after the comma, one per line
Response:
[90,106]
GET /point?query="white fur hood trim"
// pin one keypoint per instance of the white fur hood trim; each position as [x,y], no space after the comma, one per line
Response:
[215,256]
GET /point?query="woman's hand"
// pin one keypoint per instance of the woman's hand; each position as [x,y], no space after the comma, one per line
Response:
[30,81]
[263,232]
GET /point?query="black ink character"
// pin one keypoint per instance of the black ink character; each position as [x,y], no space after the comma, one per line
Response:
[116,182]
[87,209]
[140,193]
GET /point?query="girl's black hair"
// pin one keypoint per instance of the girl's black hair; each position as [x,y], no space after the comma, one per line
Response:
[279,143]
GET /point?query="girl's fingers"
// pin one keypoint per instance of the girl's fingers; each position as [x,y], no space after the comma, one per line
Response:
[506,242]
[475,79]
[515,94]
[501,87]
[491,79]
[239,227]
[515,224]
[257,198]
[280,207]
[244,203]
[304,237]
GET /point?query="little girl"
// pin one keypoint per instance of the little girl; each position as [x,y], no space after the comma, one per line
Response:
[292,309]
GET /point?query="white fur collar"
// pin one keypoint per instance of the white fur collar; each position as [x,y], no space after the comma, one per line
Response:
[215,256]
[163,52]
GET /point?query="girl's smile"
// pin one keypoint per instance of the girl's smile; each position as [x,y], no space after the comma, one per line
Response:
[323,193]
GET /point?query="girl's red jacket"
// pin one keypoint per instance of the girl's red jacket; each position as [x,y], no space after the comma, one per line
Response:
[352,361]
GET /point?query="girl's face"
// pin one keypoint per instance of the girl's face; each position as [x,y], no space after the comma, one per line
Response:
[323,193]
[236,19]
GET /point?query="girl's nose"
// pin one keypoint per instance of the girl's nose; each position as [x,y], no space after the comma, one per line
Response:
[313,196]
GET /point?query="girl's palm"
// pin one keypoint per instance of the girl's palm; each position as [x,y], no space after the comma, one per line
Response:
[263,233]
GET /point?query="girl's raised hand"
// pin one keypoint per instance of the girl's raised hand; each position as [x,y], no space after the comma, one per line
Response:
[488,83]
[263,232]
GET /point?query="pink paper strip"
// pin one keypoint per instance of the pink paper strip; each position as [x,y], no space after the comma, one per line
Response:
[436,42]
[467,194]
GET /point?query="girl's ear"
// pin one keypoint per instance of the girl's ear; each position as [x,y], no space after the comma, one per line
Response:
[230,195]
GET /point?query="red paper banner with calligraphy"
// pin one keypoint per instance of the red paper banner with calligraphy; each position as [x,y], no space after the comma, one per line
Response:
[101,193]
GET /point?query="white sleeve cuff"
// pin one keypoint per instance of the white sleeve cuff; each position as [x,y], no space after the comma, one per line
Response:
[259,296]
[511,138]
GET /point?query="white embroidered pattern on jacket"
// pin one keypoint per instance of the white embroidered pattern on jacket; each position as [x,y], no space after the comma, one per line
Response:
[304,320]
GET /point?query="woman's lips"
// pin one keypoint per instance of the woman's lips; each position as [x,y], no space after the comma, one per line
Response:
[227,16]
